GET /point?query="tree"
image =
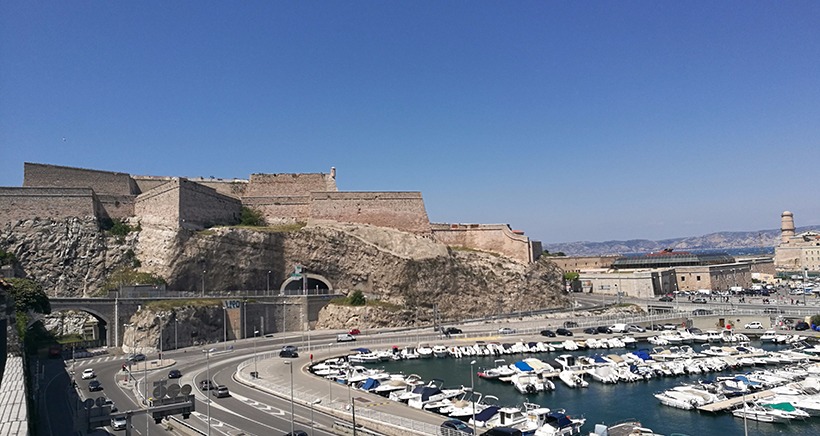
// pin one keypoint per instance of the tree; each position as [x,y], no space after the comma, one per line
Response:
[571,276]
[28,296]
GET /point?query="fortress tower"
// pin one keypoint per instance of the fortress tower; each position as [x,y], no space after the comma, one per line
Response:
[786,226]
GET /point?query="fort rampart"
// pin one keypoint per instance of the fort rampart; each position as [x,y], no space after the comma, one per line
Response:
[399,210]
[182,203]
[18,204]
[496,238]
[102,182]
[281,210]
[277,185]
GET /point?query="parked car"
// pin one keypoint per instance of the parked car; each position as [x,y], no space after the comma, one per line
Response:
[206,385]
[603,329]
[506,331]
[94,385]
[699,300]
[591,331]
[354,331]
[296,433]
[617,328]
[345,337]
[802,325]
[118,423]
[548,333]
[289,351]
[570,324]
[88,374]
[754,325]
[666,298]
[174,373]
[563,332]
[451,331]
[451,426]
[656,327]
[221,391]
[634,328]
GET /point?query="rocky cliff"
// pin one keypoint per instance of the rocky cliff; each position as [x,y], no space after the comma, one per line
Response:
[409,275]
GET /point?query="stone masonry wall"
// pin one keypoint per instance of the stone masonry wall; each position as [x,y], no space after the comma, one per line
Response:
[102,182]
[277,185]
[159,207]
[232,187]
[117,206]
[497,238]
[280,210]
[17,204]
[201,206]
[399,210]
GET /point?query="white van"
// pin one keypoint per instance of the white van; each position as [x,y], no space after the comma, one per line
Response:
[618,328]
[345,337]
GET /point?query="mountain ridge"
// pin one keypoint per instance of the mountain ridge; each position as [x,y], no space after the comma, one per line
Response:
[757,241]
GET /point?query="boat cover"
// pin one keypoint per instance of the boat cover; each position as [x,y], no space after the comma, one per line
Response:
[558,420]
[788,407]
[369,384]
[643,354]
[523,366]
[428,391]
[486,414]
[599,359]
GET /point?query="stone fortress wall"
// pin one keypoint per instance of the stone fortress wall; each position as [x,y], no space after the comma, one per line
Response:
[58,192]
[499,238]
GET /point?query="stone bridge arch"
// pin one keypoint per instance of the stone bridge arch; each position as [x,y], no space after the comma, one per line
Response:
[312,283]
[100,333]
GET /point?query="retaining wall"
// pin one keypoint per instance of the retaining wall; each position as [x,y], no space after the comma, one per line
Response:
[17,204]
[399,210]
[497,238]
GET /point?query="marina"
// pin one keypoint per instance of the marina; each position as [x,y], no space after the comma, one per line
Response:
[609,402]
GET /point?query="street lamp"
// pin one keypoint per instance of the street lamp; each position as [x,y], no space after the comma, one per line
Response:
[267,284]
[472,396]
[313,403]
[208,375]
[225,327]
[176,323]
[255,370]
[203,283]
[291,394]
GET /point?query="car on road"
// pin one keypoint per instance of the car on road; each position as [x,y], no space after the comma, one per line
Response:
[94,385]
[617,328]
[754,325]
[453,426]
[174,373]
[634,328]
[506,331]
[563,332]
[591,331]
[603,329]
[802,325]
[118,423]
[289,351]
[699,300]
[88,374]
[138,357]
[110,403]
[548,333]
[296,433]
[345,337]
[354,331]
[666,298]
[670,326]
[701,312]
[570,324]
[221,391]
[206,385]
[451,331]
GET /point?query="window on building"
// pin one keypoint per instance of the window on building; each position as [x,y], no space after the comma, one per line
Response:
[682,278]
[697,278]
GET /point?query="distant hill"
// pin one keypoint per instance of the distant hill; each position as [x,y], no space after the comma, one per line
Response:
[734,242]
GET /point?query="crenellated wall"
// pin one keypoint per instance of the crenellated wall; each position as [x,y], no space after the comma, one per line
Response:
[18,204]
[497,238]
[399,210]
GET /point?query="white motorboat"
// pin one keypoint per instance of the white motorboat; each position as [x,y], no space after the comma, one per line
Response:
[528,383]
[758,413]
[559,423]
[507,417]
[425,351]
[714,336]
[502,369]
[604,374]
[768,336]
[464,410]
[409,353]
[440,351]
[572,379]
[677,400]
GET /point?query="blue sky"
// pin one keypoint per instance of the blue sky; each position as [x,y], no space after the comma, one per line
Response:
[568,120]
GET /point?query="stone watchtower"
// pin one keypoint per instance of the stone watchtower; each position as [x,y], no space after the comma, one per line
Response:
[786,226]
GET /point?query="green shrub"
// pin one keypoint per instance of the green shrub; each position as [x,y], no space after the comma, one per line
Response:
[356,299]
[251,217]
[7,257]
[815,319]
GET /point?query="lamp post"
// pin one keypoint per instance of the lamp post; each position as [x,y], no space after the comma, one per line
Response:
[313,403]
[208,377]
[225,327]
[255,370]
[176,323]
[160,339]
[291,394]
[472,396]
[203,283]
[267,284]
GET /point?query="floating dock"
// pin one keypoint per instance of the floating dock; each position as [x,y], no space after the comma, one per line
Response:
[735,402]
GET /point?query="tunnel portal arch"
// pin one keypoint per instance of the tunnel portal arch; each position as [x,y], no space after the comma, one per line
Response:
[307,284]
[94,335]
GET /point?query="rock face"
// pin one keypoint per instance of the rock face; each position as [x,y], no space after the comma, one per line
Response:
[407,274]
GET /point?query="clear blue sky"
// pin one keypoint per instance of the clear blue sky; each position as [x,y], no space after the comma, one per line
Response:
[568,120]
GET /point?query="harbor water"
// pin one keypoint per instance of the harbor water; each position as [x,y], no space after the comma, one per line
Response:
[602,403]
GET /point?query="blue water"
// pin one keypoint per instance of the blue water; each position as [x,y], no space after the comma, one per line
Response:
[600,403]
